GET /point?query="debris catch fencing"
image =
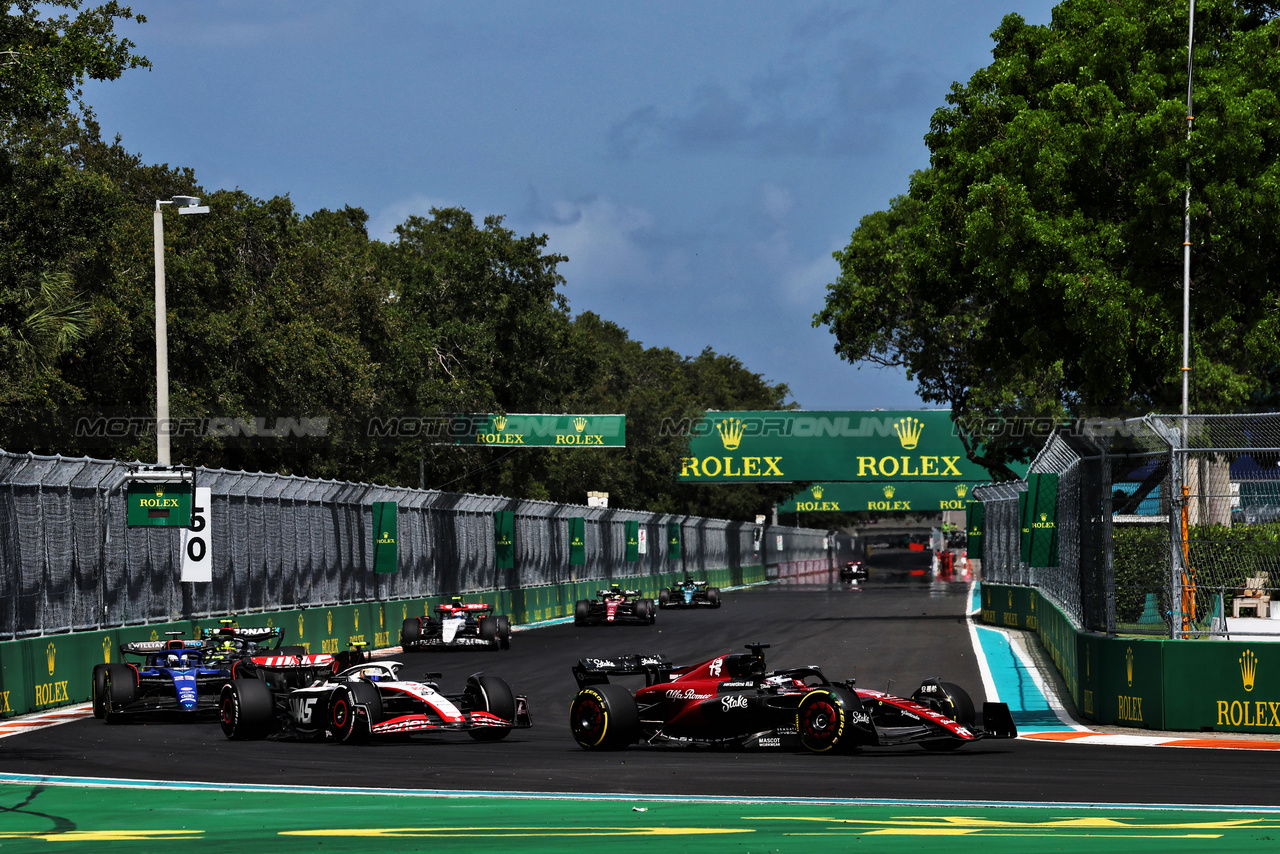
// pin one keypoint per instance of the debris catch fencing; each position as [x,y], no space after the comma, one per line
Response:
[69,563]
[1164,525]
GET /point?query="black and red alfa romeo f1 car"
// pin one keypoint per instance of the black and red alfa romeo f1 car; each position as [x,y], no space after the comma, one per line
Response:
[615,606]
[733,700]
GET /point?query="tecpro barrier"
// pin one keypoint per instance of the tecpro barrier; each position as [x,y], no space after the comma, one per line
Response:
[56,670]
[1181,685]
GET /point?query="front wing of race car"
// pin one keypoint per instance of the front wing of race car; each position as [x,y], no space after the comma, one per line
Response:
[472,720]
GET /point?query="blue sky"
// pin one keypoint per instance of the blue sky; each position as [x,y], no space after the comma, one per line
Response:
[698,162]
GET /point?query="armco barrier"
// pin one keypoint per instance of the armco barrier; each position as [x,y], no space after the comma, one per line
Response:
[56,670]
[1183,685]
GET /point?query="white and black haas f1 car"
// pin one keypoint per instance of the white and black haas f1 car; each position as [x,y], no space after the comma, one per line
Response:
[689,594]
[457,626]
[365,701]
[733,700]
[854,570]
[615,605]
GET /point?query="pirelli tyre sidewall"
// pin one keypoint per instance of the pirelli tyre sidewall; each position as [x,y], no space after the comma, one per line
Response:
[604,717]
[246,709]
[827,718]
[99,690]
[411,631]
[353,710]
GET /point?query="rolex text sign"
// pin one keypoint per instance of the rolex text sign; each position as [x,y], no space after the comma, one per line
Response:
[744,446]
[386,549]
[540,431]
[908,496]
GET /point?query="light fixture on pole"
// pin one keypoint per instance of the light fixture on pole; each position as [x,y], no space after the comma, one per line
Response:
[186,205]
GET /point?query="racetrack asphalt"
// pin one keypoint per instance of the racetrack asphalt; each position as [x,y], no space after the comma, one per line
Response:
[891,632]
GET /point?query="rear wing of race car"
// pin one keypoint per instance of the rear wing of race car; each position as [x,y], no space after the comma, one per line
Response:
[594,671]
[148,647]
[256,634]
[292,662]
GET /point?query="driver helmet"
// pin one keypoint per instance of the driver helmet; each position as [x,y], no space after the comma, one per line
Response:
[782,681]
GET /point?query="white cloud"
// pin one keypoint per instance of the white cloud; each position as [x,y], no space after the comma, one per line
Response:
[807,284]
[602,239]
[382,224]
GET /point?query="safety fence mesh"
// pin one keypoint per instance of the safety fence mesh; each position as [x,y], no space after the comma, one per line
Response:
[1166,525]
[68,562]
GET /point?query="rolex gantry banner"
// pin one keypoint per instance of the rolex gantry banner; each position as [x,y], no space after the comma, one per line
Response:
[905,496]
[870,446]
[538,431]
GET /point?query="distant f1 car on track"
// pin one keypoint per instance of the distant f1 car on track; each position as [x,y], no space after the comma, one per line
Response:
[854,570]
[364,701]
[689,594]
[733,700]
[457,625]
[615,605]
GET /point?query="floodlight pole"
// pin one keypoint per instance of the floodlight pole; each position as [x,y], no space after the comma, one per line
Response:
[1186,228]
[188,205]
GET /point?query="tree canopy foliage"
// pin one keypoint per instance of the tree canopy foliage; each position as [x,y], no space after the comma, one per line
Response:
[273,314]
[1035,268]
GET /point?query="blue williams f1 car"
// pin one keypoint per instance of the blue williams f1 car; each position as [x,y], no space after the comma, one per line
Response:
[175,676]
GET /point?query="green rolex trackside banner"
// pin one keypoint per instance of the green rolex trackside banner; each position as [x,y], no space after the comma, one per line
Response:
[539,431]
[504,539]
[973,528]
[1026,505]
[1044,519]
[633,541]
[577,541]
[905,496]
[745,446]
[386,555]
[673,540]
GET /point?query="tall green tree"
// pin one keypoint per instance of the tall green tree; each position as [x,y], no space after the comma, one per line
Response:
[1035,268]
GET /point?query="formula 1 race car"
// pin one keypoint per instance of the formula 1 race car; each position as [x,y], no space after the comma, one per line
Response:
[366,700]
[689,594]
[733,700]
[615,605]
[854,570]
[457,625]
[175,675]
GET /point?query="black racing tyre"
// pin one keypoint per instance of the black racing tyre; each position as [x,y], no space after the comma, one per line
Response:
[664,597]
[604,717]
[99,694]
[954,702]
[246,710]
[653,611]
[644,609]
[581,611]
[961,704]
[345,722]
[824,720]
[493,695]
[504,631]
[713,596]
[488,629]
[410,632]
[121,689]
